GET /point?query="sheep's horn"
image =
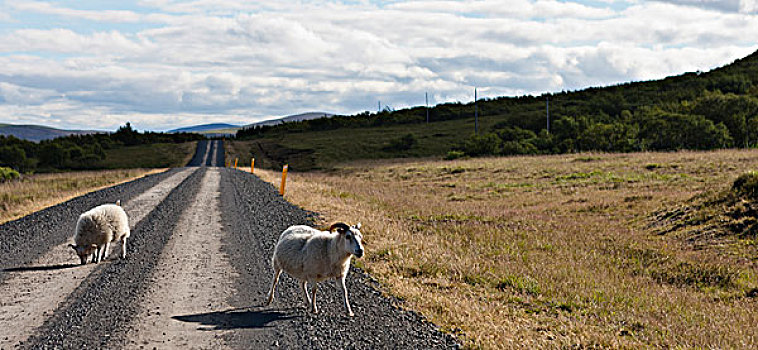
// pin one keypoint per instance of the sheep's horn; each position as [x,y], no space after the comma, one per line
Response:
[340,226]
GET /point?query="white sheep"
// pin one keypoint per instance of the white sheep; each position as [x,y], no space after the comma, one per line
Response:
[311,255]
[97,228]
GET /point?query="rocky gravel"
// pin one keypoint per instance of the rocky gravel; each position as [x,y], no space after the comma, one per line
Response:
[254,216]
[200,155]
[94,314]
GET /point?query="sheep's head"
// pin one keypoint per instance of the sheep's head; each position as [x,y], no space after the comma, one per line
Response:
[83,251]
[352,237]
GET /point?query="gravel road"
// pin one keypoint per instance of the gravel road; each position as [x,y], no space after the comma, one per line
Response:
[196,275]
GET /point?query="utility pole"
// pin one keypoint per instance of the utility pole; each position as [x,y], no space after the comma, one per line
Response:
[426,97]
[476,115]
[547,111]
[378,106]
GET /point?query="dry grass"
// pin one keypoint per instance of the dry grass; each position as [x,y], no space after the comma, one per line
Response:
[36,192]
[551,251]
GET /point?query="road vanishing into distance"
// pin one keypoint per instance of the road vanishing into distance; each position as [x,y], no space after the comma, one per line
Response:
[196,276]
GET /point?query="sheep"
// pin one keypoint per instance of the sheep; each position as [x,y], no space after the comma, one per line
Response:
[97,228]
[310,256]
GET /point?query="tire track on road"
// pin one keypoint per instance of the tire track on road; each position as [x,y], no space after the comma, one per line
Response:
[193,277]
[30,294]
[97,311]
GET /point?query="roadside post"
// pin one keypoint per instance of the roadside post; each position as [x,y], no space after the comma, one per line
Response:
[252,165]
[235,163]
[284,179]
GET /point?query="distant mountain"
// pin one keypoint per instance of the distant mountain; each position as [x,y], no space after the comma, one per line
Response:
[221,129]
[206,128]
[38,132]
[292,118]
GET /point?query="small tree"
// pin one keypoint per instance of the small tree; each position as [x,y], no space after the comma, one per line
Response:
[13,157]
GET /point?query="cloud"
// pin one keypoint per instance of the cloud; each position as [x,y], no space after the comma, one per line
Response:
[741,6]
[243,61]
[112,16]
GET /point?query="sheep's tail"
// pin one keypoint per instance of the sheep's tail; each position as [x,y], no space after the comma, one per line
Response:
[118,202]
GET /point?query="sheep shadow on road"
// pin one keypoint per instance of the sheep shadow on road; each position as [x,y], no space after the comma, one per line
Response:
[235,318]
[40,268]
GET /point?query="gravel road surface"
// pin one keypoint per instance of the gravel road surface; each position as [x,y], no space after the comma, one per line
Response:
[196,275]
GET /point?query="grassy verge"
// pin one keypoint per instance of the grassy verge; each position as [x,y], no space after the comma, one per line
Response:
[161,155]
[36,192]
[551,251]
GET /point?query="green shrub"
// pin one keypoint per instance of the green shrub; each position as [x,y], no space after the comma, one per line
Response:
[523,147]
[402,143]
[454,155]
[747,185]
[8,174]
[487,144]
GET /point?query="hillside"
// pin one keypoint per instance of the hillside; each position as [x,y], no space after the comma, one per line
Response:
[38,133]
[291,118]
[223,129]
[695,110]
[124,148]
[205,128]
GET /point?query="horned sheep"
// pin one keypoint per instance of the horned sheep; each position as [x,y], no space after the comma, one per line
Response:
[97,228]
[310,256]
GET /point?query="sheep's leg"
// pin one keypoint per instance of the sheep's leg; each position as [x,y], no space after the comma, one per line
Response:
[341,283]
[313,298]
[304,286]
[105,251]
[123,248]
[96,255]
[277,272]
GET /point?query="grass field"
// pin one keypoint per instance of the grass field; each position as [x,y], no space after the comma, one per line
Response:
[161,155]
[551,251]
[36,192]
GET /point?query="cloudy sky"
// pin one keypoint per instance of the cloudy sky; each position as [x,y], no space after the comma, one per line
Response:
[162,64]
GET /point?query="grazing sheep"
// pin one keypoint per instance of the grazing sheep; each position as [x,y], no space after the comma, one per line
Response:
[310,255]
[97,228]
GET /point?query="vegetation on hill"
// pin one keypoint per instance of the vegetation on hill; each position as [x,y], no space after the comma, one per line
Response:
[717,109]
[8,174]
[92,151]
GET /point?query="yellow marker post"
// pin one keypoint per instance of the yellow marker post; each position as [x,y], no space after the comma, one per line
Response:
[252,165]
[284,179]
[235,163]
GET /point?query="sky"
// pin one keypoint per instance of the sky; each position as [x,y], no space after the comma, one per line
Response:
[163,64]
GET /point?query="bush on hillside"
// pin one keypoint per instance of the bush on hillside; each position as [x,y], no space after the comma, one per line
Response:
[7,174]
[482,145]
[402,143]
[451,155]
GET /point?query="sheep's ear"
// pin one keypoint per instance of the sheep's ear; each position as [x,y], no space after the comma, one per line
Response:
[72,246]
[118,202]
[93,246]
[358,226]
[341,227]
